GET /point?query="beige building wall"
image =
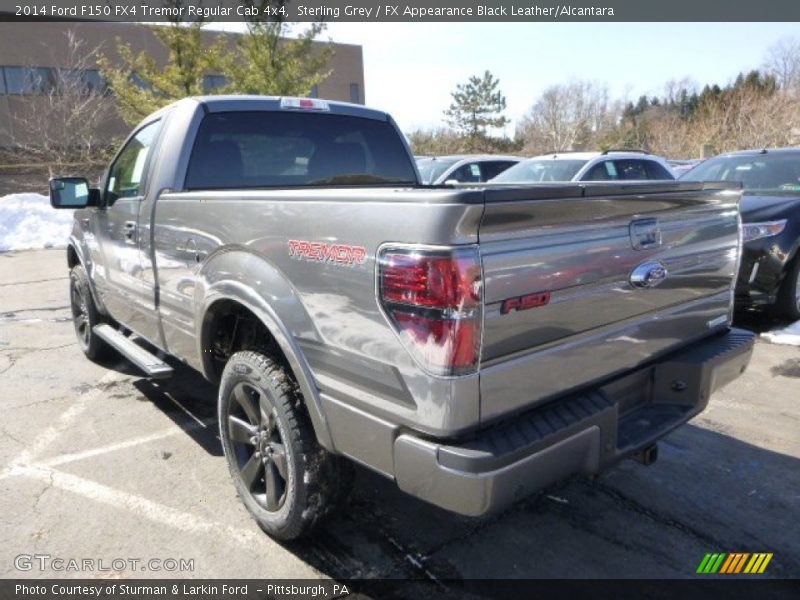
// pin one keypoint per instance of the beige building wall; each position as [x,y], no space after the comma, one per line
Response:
[44,45]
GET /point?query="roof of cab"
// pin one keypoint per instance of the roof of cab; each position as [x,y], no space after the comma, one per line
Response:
[233,103]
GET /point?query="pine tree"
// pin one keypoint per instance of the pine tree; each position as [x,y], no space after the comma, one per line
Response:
[267,62]
[477,106]
[142,85]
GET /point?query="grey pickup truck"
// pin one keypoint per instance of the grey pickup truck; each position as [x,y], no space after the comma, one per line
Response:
[473,344]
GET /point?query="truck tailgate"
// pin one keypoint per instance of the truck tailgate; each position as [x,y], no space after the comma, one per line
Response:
[587,281]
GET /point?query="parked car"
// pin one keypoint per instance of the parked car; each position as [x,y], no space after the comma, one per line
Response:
[611,165]
[448,338]
[770,270]
[465,168]
[679,167]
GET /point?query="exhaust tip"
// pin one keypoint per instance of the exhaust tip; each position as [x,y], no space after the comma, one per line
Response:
[647,456]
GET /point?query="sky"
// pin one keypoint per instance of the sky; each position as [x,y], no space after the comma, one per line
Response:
[410,69]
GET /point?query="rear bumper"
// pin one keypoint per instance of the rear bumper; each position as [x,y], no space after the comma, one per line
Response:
[581,433]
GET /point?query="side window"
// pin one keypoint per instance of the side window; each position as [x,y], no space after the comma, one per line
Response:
[492,169]
[656,171]
[632,169]
[128,171]
[469,173]
[602,171]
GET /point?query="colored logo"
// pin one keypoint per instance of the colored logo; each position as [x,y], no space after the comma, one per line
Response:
[735,563]
[340,254]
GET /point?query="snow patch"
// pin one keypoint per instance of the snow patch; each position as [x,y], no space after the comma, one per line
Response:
[27,221]
[784,335]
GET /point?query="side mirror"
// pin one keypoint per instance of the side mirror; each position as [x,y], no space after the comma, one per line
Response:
[72,192]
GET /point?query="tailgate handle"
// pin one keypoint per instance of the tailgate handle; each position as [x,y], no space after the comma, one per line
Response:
[645,233]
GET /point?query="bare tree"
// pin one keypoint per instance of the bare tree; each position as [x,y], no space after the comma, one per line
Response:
[747,118]
[567,117]
[63,123]
[783,61]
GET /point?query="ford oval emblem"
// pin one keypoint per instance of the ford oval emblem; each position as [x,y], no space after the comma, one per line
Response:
[648,274]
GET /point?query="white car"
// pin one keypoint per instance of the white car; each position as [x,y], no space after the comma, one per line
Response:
[611,165]
[462,168]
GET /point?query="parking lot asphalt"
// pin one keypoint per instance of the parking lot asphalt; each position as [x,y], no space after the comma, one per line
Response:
[97,462]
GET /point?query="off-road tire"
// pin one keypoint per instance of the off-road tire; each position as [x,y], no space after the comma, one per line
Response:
[315,481]
[85,315]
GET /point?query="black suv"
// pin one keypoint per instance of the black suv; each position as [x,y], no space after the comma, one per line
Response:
[770,270]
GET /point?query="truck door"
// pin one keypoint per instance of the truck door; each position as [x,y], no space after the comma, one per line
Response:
[128,297]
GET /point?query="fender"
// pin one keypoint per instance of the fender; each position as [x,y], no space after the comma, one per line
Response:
[231,275]
[77,246]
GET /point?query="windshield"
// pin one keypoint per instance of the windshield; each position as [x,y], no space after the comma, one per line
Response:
[763,172]
[532,171]
[430,169]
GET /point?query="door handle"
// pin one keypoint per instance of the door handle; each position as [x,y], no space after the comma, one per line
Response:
[191,249]
[130,229]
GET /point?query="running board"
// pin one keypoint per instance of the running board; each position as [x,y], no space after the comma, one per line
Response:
[152,366]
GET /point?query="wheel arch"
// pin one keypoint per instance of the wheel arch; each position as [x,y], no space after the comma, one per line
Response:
[235,293]
[75,257]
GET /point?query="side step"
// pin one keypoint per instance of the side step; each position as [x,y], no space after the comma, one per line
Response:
[151,365]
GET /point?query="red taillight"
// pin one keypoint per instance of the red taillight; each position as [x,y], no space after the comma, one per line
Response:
[433,298]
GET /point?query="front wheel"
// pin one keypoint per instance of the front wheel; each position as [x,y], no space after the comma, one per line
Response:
[85,314]
[287,481]
[788,301]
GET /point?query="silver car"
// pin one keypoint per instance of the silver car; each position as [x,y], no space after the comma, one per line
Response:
[463,168]
[611,165]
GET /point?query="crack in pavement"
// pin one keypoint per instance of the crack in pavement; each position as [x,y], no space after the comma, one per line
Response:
[19,351]
[35,403]
[14,354]
[48,486]
[12,283]
[26,320]
[13,312]
[11,363]
[635,506]
[31,451]
[9,435]
[526,504]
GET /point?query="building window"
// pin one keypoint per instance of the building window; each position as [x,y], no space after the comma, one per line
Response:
[314,91]
[29,80]
[93,81]
[355,93]
[88,81]
[214,82]
[2,82]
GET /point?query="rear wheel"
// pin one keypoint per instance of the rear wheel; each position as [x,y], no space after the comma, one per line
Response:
[788,301]
[287,481]
[85,314]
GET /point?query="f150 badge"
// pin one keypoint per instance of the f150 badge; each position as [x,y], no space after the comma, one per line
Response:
[342,254]
[524,302]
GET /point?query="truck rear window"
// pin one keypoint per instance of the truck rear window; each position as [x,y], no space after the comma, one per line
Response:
[239,150]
